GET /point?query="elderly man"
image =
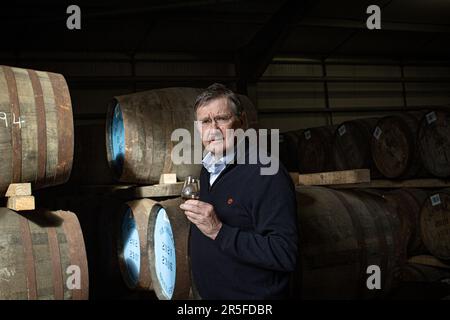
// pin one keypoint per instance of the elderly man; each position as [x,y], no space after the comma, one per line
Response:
[243,242]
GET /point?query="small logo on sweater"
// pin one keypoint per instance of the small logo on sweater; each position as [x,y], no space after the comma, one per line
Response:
[230,201]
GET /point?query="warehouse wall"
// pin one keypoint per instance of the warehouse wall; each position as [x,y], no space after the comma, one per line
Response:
[297,90]
[290,95]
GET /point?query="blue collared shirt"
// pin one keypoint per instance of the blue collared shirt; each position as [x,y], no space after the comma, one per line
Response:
[214,166]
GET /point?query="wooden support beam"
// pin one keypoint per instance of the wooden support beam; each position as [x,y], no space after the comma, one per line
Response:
[253,58]
[130,192]
[21,203]
[154,191]
[18,189]
[167,178]
[335,177]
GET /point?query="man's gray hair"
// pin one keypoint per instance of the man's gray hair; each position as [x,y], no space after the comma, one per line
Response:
[218,90]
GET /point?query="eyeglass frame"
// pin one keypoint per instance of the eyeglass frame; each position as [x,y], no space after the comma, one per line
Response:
[217,120]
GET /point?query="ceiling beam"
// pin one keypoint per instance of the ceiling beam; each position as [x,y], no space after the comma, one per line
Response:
[253,58]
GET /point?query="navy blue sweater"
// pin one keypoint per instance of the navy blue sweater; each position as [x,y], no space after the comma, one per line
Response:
[256,248]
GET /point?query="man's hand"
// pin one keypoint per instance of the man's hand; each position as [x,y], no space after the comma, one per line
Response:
[202,214]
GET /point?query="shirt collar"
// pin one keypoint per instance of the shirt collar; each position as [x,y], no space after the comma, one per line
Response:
[213,165]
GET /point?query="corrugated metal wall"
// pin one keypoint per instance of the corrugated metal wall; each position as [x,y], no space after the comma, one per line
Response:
[297,90]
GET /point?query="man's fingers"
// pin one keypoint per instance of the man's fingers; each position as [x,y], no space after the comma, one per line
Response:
[192,216]
[191,207]
[194,202]
[192,220]
[198,203]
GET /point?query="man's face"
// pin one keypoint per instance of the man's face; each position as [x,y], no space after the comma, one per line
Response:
[214,118]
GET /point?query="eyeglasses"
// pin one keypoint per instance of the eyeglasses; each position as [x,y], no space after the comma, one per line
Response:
[220,120]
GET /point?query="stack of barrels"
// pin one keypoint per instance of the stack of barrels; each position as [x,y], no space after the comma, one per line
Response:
[401,146]
[137,248]
[344,233]
[425,217]
[42,252]
[153,248]
[141,245]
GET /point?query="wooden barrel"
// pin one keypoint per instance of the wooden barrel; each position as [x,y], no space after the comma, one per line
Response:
[408,203]
[315,150]
[36,128]
[289,149]
[98,215]
[40,255]
[90,164]
[435,224]
[139,128]
[352,145]
[153,248]
[341,234]
[393,146]
[434,143]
